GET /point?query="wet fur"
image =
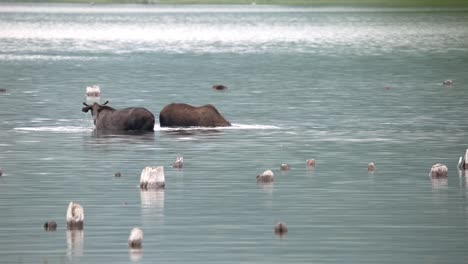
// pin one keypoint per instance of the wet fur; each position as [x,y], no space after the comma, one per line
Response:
[184,115]
[107,118]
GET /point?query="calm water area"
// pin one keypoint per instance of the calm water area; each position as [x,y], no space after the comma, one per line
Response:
[344,86]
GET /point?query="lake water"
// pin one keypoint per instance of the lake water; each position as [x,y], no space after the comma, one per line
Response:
[344,86]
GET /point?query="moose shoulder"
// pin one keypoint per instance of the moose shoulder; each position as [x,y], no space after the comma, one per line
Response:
[184,115]
[107,118]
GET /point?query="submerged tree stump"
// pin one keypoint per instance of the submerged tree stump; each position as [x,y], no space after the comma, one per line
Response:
[50,225]
[285,167]
[281,228]
[219,87]
[266,176]
[178,163]
[439,171]
[310,163]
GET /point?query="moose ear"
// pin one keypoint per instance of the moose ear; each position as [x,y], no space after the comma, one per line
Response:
[86,109]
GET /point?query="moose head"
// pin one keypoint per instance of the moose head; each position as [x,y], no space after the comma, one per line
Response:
[95,109]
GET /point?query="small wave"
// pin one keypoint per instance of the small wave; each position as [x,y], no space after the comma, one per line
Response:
[11,57]
[40,120]
[241,126]
[77,129]
[358,140]
[233,127]
[186,138]
[59,129]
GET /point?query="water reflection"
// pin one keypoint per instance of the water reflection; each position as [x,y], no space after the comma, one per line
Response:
[179,179]
[440,189]
[136,254]
[462,182]
[152,205]
[75,240]
[310,171]
[439,183]
[462,175]
[105,139]
[92,99]
[267,187]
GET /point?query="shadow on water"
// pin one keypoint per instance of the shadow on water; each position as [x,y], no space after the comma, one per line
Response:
[129,137]
[192,132]
[141,134]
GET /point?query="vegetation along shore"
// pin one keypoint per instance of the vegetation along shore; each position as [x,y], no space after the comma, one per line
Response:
[357,3]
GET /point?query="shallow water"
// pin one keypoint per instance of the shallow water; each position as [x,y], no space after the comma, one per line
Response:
[342,86]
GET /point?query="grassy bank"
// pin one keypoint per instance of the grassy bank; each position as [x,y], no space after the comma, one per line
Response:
[376,3]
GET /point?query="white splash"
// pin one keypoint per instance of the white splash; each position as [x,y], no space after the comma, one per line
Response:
[87,129]
[58,129]
[232,127]
[35,57]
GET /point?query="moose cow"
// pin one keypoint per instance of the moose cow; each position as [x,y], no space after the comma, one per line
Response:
[107,118]
[184,115]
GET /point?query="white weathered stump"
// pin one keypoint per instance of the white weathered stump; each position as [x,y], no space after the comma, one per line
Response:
[266,176]
[371,167]
[439,171]
[75,216]
[93,91]
[135,240]
[178,163]
[152,178]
